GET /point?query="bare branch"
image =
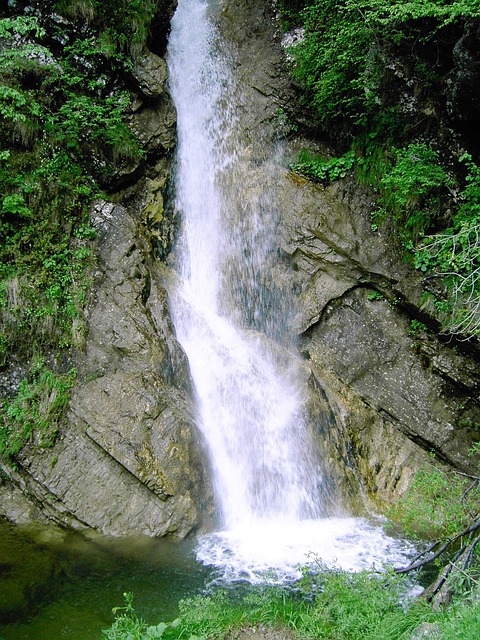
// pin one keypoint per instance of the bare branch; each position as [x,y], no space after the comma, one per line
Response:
[421,563]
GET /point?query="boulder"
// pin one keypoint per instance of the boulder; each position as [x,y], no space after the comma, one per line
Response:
[154,124]
[150,71]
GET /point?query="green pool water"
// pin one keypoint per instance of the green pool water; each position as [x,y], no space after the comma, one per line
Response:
[56,584]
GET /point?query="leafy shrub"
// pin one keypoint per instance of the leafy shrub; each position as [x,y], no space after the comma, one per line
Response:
[321,169]
[411,190]
[454,256]
[342,61]
[62,129]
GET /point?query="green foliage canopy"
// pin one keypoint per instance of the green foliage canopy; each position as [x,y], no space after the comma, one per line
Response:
[341,60]
[364,67]
[62,130]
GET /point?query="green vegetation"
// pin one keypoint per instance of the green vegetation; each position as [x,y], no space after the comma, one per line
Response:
[53,119]
[323,169]
[454,256]
[341,61]
[375,295]
[122,24]
[363,606]
[438,505]
[416,327]
[62,136]
[444,507]
[35,413]
[370,605]
[370,74]
[410,190]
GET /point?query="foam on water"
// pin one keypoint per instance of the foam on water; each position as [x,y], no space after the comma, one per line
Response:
[274,551]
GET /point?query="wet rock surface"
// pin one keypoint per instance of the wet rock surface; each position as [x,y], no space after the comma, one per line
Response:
[151,74]
[400,391]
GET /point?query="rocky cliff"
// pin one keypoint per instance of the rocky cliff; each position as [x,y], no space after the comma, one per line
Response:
[387,390]
[383,392]
[127,458]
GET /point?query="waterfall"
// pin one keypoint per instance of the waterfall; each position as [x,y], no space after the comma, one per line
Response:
[232,318]
[225,311]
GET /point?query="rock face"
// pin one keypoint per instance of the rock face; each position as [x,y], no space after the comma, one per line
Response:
[151,74]
[128,459]
[381,393]
[398,392]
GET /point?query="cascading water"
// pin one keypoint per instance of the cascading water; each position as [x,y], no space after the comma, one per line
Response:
[232,321]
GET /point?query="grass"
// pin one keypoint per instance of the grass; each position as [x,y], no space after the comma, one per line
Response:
[335,605]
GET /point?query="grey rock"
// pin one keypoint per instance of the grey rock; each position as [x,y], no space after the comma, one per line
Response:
[154,124]
[150,71]
[128,459]
[395,396]
[427,630]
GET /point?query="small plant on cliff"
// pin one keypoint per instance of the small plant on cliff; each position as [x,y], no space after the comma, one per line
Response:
[34,415]
[375,295]
[416,328]
[411,190]
[322,169]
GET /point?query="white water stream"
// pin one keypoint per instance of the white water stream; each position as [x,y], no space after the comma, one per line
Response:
[229,317]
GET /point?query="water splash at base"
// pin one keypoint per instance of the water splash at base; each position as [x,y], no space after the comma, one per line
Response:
[274,551]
